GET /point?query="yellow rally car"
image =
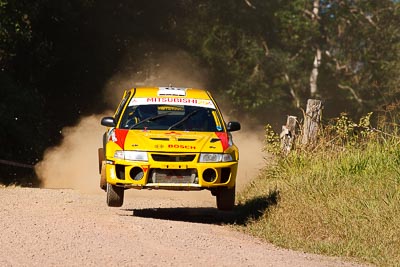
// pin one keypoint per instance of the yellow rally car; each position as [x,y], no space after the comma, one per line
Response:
[168,138]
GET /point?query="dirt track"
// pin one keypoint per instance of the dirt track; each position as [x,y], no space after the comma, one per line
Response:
[66,228]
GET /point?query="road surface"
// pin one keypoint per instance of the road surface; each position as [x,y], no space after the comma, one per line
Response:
[64,227]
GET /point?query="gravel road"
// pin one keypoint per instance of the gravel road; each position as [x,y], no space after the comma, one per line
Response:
[63,227]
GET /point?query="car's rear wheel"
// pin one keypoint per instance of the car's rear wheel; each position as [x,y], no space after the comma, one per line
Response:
[225,198]
[115,195]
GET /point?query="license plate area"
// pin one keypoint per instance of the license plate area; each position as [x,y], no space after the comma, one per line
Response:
[178,176]
[175,166]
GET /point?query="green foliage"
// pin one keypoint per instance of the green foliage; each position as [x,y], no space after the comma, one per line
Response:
[15,27]
[345,131]
[247,67]
[362,58]
[262,56]
[272,141]
[337,200]
[258,57]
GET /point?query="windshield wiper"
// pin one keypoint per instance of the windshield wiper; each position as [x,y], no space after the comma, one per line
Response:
[184,119]
[152,118]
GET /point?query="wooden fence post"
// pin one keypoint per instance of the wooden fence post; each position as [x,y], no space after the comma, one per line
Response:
[312,119]
[288,134]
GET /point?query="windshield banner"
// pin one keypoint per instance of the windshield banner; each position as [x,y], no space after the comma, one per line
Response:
[206,103]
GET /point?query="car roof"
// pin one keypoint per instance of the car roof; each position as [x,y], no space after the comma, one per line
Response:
[170,92]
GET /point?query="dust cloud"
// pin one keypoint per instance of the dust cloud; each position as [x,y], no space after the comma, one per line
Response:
[175,68]
[74,163]
[251,155]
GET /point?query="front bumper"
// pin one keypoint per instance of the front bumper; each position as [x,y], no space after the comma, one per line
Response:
[166,171]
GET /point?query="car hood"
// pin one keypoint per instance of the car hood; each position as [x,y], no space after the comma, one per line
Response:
[176,141]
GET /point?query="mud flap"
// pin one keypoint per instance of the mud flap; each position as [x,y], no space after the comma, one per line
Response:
[102,169]
[100,154]
[103,182]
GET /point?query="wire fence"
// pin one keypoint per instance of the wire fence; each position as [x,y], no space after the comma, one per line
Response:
[16,164]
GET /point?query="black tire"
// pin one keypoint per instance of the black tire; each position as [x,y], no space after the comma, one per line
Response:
[226,198]
[115,195]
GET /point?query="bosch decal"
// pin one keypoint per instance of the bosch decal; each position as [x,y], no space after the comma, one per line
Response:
[181,146]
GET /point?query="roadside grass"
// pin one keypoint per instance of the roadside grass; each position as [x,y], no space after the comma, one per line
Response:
[341,199]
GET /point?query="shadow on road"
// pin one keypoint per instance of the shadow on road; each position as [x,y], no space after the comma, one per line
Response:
[187,214]
[251,209]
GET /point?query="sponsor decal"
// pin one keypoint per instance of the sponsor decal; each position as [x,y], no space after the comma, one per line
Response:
[176,146]
[118,136]
[224,140]
[172,100]
[207,103]
[171,108]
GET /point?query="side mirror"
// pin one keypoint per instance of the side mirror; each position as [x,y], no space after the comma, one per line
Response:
[108,121]
[233,126]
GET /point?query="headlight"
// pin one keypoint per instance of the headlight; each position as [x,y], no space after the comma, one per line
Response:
[131,155]
[208,157]
[119,154]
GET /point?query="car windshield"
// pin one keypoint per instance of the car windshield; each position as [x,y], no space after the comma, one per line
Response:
[170,117]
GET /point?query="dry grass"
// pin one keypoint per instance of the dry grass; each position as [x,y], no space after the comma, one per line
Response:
[338,200]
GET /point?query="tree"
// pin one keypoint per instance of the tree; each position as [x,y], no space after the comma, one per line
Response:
[264,58]
[361,49]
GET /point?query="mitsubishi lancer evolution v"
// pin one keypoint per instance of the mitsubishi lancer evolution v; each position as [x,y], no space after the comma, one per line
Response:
[168,138]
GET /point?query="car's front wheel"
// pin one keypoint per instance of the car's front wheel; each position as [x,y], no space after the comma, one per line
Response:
[115,195]
[225,198]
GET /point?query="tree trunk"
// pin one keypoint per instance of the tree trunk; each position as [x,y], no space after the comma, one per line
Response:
[288,135]
[314,73]
[317,57]
[292,92]
[311,122]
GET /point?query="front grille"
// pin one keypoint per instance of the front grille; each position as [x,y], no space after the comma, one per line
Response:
[173,158]
[187,176]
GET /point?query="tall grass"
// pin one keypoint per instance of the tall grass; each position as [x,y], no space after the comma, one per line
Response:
[342,198]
